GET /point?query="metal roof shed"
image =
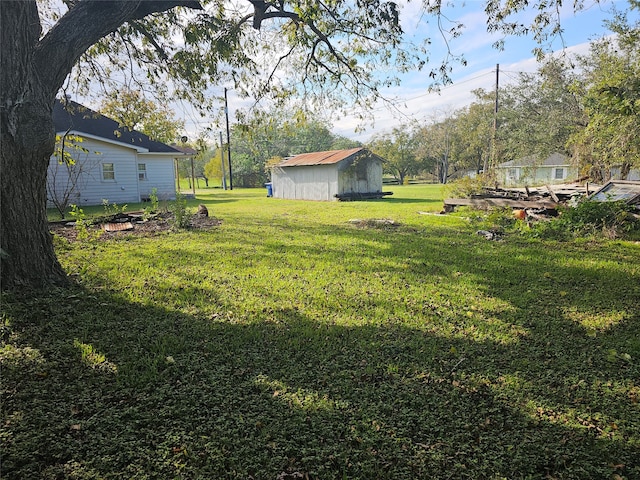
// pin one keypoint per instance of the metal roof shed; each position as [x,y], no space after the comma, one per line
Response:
[330,175]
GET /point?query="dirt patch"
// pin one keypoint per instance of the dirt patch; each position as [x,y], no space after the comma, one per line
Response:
[157,225]
[379,223]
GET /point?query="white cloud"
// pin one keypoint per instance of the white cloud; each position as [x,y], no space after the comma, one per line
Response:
[422,105]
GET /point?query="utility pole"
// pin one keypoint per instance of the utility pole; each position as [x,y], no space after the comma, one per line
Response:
[224,175]
[494,148]
[226,113]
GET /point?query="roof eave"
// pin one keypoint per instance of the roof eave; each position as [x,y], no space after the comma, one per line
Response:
[103,139]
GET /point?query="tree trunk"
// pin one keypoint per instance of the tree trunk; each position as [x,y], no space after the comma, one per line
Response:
[32,69]
[625,169]
[29,258]
[27,140]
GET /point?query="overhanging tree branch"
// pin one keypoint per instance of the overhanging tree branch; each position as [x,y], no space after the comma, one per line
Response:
[59,50]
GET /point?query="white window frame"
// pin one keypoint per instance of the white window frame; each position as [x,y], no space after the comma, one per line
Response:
[111,171]
[556,171]
[142,172]
[512,173]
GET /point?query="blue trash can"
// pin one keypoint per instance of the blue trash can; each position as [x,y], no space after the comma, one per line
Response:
[269,189]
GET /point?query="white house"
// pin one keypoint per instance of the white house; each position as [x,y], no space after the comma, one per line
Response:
[556,168]
[110,163]
[330,175]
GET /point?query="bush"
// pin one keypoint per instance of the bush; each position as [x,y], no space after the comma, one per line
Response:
[466,187]
[181,217]
[590,218]
[82,225]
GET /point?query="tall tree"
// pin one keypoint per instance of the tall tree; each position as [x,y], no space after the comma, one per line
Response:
[277,133]
[35,64]
[539,112]
[398,148]
[440,139]
[131,110]
[475,131]
[213,168]
[610,92]
[327,48]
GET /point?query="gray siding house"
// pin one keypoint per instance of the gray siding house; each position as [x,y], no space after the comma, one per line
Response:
[556,168]
[330,175]
[111,163]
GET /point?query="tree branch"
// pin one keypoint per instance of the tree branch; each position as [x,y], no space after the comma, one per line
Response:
[142,29]
[83,25]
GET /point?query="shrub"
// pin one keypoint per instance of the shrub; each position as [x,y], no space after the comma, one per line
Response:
[590,218]
[181,218]
[82,224]
[154,208]
[466,187]
[113,208]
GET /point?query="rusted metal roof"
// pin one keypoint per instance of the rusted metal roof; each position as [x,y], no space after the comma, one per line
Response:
[319,158]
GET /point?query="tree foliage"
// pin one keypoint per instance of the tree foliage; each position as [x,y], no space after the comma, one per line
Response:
[213,169]
[277,133]
[539,112]
[475,126]
[131,110]
[399,150]
[610,88]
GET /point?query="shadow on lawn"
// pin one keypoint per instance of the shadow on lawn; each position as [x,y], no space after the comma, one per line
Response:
[98,387]
[195,398]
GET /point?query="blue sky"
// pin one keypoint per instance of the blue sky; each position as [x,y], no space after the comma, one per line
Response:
[414,101]
[476,46]
[413,98]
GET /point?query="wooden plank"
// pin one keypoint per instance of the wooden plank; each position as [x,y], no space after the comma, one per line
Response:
[553,195]
[499,202]
[117,227]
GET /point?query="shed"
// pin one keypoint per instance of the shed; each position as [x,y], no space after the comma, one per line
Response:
[330,175]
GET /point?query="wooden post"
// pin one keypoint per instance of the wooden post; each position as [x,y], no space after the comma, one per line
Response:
[193,177]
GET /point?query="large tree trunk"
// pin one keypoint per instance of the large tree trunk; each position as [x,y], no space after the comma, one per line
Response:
[27,141]
[32,69]
[28,255]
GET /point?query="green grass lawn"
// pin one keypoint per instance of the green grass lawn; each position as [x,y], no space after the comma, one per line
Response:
[288,340]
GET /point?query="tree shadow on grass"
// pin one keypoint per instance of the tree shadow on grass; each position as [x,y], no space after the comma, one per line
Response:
[98,387]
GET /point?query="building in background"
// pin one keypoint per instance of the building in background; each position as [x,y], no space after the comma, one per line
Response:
[332,175]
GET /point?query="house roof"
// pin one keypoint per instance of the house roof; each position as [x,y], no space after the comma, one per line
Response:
[330,157]
[553,160]
[71,116]
[186,149]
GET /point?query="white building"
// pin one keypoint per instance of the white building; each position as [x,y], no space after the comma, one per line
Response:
[110,163]
[331,175]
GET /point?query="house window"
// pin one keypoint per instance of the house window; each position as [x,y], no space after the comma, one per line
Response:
[559,174]
[512,174]
[108,172]
[142,171]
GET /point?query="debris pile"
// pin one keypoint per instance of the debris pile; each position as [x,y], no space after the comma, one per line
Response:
[540,199]
[548,197]
[543,202]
